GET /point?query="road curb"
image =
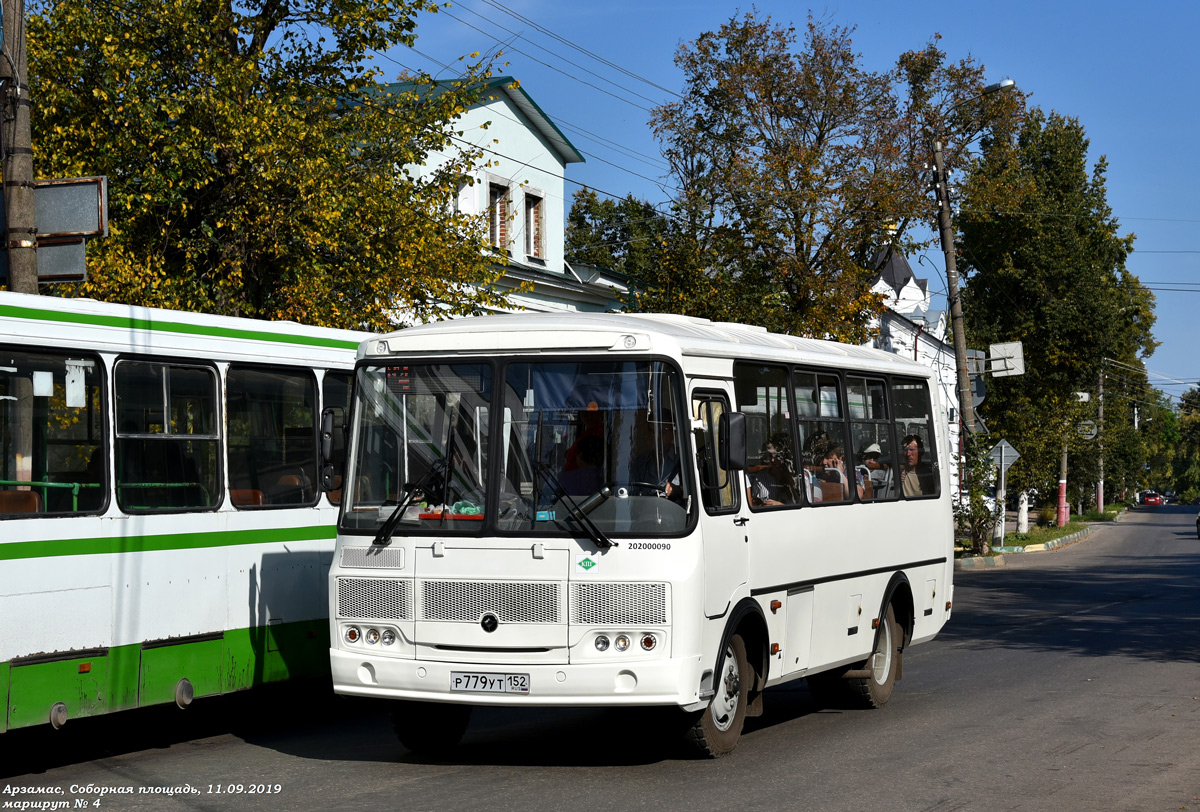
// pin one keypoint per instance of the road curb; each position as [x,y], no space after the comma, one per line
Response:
[979,562]
[983,562]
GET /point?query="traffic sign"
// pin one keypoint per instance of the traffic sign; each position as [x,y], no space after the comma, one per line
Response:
[1087,429]
[1003,455]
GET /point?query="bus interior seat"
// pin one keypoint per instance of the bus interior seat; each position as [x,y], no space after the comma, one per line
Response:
[20,502]
[245,497]
[832,492]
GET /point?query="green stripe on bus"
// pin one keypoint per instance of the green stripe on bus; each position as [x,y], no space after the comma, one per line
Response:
[127,323]
[166,541]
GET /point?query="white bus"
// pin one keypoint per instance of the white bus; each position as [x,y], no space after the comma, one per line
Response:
[162,534]
[603,510]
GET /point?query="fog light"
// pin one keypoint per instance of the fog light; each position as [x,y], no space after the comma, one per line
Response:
[372,636]
[388,637]
[649,641]
[622,642]
[353,635]
[601,643]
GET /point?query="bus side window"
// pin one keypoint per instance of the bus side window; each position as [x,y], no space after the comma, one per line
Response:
[168,457]
[762,393]
[827,468]
[272,436]
[717,484]
[918,470]
[870,438]
[52,420]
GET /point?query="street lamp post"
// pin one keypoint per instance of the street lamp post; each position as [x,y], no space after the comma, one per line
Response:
[966,407]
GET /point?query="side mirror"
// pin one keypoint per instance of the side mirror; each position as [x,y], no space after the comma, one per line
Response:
[731,441]
[328,471]
[326,436]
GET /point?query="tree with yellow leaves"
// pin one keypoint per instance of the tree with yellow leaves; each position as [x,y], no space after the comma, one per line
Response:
[257,163]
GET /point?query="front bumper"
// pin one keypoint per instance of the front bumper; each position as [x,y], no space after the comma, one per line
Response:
[649,682]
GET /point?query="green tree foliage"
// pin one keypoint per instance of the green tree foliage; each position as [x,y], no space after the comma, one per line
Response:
[1162,433]
[1044,263]
[624,235]
[1186,471]
[973,519]
[796,164]
[256,164]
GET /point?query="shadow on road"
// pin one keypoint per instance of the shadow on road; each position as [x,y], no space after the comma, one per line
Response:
[1129,592]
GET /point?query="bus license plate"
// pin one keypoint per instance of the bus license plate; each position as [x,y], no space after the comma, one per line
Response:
[489,683]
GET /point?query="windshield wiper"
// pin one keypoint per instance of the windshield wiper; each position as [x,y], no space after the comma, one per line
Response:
[589,527]
[384,537]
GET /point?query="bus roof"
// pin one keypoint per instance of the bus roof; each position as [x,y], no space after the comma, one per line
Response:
[651,332]
[55,321]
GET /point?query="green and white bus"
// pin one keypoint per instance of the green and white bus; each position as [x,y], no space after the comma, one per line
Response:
[162,532]
[634,510]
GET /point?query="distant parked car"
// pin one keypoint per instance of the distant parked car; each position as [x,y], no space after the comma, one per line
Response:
[1152,499]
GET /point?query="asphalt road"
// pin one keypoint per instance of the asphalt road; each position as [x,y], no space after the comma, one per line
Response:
[1066,680]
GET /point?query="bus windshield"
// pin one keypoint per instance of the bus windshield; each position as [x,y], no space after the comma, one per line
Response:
[578,447]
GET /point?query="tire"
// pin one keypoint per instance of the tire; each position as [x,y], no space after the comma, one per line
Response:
[875,690]
[430,728]
[719,726]
[834,689]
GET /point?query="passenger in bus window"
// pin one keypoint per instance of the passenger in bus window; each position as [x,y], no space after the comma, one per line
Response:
[874,471]
[772,476]
[835,467]
[814,468]
[916,478]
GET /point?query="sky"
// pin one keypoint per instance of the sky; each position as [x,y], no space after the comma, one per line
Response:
[1128,71]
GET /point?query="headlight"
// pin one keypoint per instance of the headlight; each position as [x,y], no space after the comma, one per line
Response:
[622,642]
[353,635]
[372,636]
[649,641]
[601,643]
[388,637]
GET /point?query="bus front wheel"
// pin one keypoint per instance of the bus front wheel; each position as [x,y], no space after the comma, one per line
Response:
[430,728]
[716,731]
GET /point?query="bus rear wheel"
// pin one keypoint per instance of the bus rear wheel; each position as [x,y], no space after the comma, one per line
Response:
[875,688]
[716,731]
[430,728]
[870,684]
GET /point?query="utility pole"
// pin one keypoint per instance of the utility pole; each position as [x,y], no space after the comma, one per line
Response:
[16,152]
[966,407]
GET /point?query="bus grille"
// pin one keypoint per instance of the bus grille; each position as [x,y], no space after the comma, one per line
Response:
[619,603]
[375,598]
[372,557]
[467,601]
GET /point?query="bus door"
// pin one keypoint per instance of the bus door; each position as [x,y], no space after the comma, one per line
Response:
[724,521]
